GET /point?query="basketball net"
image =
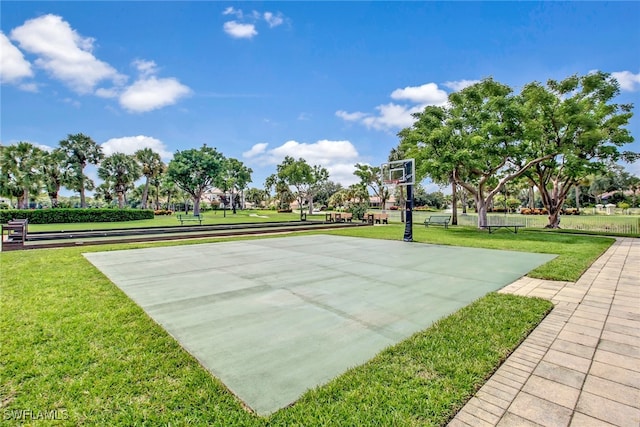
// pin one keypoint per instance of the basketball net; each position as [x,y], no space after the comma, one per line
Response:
[391,184]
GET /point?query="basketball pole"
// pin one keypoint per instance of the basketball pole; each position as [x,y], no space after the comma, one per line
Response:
[408,216]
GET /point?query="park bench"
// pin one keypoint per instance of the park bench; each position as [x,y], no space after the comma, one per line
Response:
[438,220]
[187,218]
[16,230]
[376,218]
[338,216]
[515,227]
[344,217]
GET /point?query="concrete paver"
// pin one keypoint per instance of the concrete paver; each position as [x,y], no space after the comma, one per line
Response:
[585,354]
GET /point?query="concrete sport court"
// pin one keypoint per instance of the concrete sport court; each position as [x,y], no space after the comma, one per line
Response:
[272,318]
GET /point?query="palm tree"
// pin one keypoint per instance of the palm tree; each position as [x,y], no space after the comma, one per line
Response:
[168,188]
[103,192]
[121,171]
[54,174]
[20,165]
[152,167]
[80,150]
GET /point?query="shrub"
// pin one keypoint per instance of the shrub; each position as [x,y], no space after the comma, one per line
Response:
[163,212]
[394,208]
[358,210]
[57,216]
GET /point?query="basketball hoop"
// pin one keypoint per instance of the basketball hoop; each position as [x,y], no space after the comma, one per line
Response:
[390,184]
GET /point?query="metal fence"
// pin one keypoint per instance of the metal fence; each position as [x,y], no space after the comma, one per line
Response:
[626,224]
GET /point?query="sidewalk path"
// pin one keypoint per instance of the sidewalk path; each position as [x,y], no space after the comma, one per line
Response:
[581,365]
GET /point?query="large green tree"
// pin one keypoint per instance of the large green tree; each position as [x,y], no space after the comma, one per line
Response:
[234,178]
[579,131]
[371,177]
[476,141]
[306,179]
[195,171]
[152,167]
[20,171]
[120,171]
[80,150]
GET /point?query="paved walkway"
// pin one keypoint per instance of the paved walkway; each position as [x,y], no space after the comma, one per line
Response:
[581,365]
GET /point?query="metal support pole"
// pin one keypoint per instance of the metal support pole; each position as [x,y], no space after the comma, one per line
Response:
[408,217]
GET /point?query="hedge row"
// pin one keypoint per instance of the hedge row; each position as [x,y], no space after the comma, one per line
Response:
[51,216]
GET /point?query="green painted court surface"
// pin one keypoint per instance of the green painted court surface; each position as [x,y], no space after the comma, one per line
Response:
[274,317]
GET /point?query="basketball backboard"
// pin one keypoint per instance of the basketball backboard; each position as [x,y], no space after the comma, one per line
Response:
[399,172]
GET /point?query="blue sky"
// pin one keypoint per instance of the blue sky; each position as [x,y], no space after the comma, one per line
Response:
[332,82]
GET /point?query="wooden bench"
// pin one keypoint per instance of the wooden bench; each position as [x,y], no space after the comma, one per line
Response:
[338,216]
[507,226]
[344,217]
[376,218]
[16,231]
[438,220]
[187,218]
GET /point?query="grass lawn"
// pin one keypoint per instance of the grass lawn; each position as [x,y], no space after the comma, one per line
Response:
[72,341]
[575,253]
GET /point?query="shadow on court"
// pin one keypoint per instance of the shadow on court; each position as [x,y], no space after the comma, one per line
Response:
[272,318]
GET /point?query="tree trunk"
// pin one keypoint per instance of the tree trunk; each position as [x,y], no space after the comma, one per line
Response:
[145,194]
[54,199]
[196,206]
[554,219]
[532,198]
[83,200]
[233,202]
[454,203]
[25,198]
[577,186]
[120,199]
[481,206]
[464,201]
[554,200]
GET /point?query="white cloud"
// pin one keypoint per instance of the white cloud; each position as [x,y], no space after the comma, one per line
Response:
[240,31]
[628,81]
[151,93]
[392,116]
[338,157]
[29,87]
[351,117]
[233,11]
[395,116]
[13,66]
[256,150]
[460,84]
[245,25]
[273,20]
[62,52]
[145,68]
[428,94]
[107,93]
[131,144]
